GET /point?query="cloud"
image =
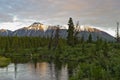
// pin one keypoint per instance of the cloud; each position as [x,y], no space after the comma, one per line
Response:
[5,17]
[103,13]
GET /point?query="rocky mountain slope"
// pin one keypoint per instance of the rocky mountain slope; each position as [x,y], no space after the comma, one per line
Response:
[4,32]
[38,29]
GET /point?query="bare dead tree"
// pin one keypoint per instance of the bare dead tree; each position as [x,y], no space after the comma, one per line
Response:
[56,38]
[117,33]
[76,31]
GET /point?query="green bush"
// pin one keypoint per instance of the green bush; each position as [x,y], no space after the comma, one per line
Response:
[4,61]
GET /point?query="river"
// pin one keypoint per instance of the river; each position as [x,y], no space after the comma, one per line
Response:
[31,71]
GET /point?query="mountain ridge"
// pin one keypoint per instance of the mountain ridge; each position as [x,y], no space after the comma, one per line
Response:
[39,29]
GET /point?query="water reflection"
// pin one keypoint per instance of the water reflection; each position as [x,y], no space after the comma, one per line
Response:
[34,71]
[64,73]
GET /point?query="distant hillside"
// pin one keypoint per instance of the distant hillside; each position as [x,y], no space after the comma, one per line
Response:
[4,32]
[39,29]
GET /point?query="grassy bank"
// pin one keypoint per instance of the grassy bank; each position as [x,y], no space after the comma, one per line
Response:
[4,61]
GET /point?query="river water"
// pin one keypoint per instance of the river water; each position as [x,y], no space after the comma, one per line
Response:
[31,71]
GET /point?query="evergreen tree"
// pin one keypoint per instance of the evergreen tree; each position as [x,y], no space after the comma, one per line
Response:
[82,39]
[89,38]
[70,37]
[105,49]
[56,38]
[51,39]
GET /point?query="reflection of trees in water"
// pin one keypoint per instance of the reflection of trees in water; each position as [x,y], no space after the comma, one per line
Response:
[61,70]
[39,70]
[64,72]
[71,67]
[35,62]
[52,71]
[15,70]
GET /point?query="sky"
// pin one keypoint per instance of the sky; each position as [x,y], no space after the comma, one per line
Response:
[102,14]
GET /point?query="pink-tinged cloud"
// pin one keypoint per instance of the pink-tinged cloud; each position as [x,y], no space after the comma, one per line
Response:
[102,13]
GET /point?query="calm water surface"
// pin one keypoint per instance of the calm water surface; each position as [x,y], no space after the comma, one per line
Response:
[30,71]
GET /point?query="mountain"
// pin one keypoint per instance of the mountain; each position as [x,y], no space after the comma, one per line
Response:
[36,29]
[85,31]
[39,29]
[5,32]
[87,28]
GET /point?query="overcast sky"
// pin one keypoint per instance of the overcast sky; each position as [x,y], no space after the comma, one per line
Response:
[20,13]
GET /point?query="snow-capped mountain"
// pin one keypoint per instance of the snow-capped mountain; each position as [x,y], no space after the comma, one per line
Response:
[87,28]
[39,29]
[36,29]
[85,31]
[5,32]
[37,26]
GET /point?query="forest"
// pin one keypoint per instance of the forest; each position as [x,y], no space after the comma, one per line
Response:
[91,60]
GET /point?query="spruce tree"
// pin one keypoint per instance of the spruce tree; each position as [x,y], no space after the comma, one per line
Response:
[89,38]
[70,37]
[51,39]
[82,39]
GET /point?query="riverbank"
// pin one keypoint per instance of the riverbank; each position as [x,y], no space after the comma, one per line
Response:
[98,60]
[4,61]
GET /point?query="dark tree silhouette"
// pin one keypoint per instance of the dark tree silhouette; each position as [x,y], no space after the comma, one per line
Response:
[89,38]
[51,39]
[70,37]
[117,33]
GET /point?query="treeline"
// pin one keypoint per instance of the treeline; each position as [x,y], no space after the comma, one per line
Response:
[14,43]
[9,43]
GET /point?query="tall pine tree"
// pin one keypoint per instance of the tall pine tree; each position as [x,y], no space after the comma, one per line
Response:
[89,38]
[70,37]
